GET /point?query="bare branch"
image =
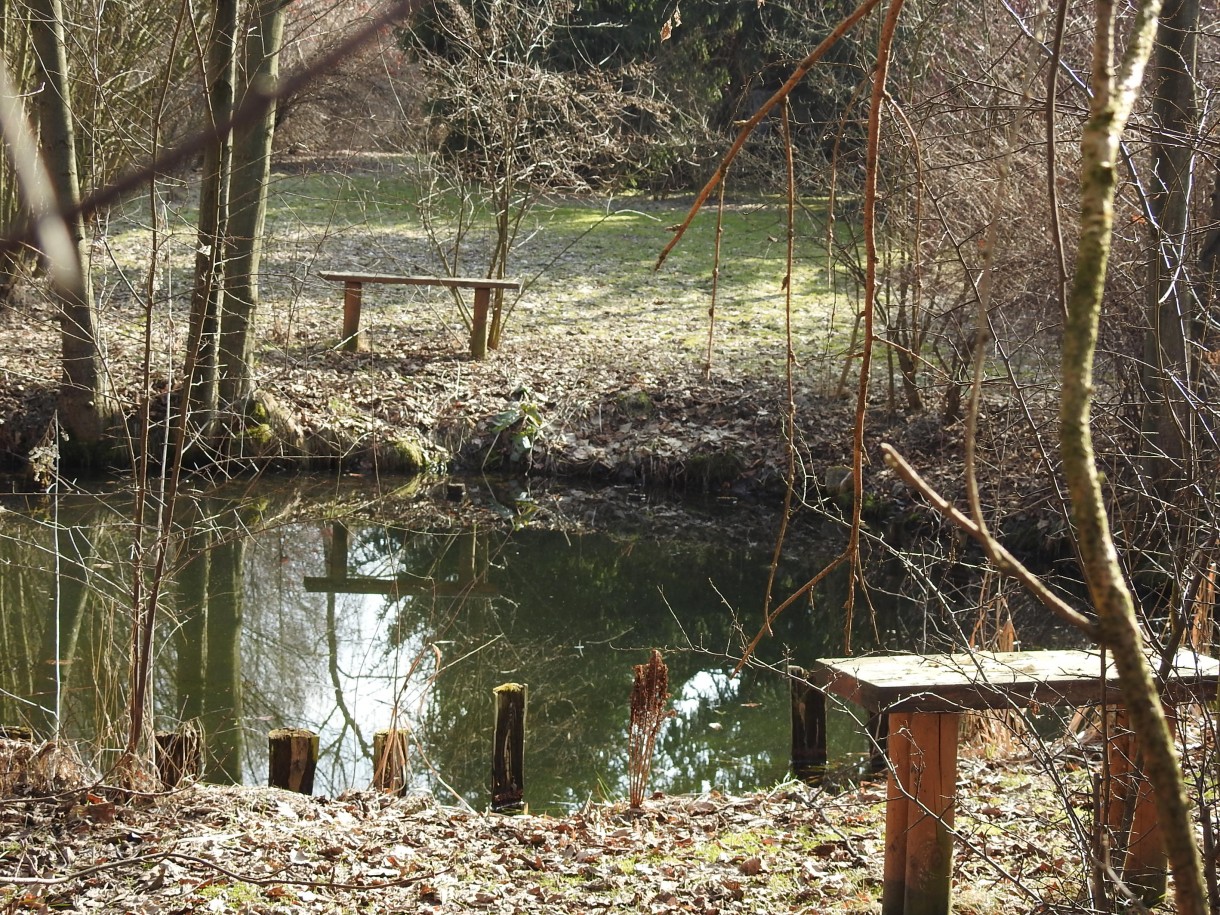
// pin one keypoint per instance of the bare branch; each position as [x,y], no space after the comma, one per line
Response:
[1004,560]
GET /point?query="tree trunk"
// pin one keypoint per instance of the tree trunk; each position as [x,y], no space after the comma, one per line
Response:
[248,203]
[87,410]
[1117,626]
[14,45]
[1171,305]
[207,297]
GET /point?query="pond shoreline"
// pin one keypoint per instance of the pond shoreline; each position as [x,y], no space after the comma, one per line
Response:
[548,409]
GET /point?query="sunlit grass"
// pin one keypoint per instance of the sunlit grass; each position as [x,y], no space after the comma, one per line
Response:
[588,265]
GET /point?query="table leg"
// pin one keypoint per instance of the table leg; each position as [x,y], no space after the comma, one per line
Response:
[478,323]
[919,814]
[353,341]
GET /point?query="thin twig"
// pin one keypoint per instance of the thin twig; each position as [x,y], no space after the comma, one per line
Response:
[872,159]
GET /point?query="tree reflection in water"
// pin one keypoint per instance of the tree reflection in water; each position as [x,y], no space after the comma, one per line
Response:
[347,628]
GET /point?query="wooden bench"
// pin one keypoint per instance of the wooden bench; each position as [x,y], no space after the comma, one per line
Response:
[353,287]
[924,695]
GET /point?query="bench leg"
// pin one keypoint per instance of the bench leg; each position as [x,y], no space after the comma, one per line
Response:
[1146,861]
[894,876]
[478,323]
[919,814]
[353,340]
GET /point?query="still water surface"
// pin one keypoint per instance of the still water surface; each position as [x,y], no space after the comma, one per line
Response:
[276,617]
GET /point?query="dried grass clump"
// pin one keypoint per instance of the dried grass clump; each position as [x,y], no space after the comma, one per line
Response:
[649,709]
[29,770]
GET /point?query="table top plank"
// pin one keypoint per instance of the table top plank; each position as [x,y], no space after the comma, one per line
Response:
[467,282]
[997,680]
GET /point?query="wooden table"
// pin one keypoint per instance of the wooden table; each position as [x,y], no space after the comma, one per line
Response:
[924,695]
[353,288]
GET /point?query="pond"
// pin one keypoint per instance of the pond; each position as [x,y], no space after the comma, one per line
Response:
[285,608]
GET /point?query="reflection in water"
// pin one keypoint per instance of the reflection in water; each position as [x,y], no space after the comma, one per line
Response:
[346,628]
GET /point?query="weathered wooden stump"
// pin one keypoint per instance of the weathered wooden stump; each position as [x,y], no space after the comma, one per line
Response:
[179,754]
[390,761]
[808,727]
[508,748]
[293,759]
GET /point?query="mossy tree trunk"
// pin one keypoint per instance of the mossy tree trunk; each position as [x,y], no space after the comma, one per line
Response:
[248,206]
[1118,628]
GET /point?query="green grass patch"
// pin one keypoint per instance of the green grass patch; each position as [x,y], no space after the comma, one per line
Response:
[588,264]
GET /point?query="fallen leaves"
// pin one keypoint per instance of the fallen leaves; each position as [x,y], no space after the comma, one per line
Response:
[209,848]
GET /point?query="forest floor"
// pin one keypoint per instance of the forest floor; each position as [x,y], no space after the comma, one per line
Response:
[794,848]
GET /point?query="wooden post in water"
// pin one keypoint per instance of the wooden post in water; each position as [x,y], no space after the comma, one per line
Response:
[293,759]
[179,754]
[808,727]
[508,748]
[390,761]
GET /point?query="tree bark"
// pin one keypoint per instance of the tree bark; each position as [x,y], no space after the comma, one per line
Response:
[1171,305]
[14,45]
[248,203]
[207,297]
[1117,626]
[87,410]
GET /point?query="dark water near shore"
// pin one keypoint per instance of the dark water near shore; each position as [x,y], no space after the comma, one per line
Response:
[274,616]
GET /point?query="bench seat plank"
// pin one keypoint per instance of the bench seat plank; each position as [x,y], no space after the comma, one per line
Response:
[951,683]
[463,282]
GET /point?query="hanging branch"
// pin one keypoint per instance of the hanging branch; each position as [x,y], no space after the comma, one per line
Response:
[885,43]
[982,291]
[872,155]
[1052,186]
[789,367]
[711,309]
[1004,561]
[759,116]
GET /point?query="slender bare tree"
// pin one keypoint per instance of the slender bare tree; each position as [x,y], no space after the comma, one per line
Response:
[87,410]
